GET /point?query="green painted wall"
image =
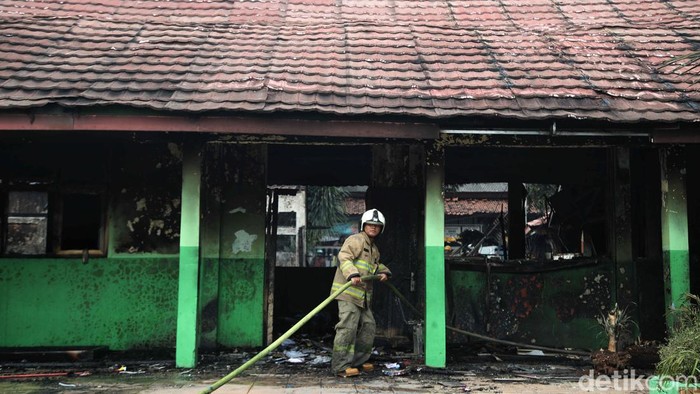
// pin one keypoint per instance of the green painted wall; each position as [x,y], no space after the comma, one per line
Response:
[127,300]
[517,305]
[241,302]
[240,273]
[130,299]
[121,303]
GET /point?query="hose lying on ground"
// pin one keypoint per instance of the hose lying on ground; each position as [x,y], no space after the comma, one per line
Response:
[284,336]
[485,338]
[328,300]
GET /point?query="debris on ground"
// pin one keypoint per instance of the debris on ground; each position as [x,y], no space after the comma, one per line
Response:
[471,368]
[395,369]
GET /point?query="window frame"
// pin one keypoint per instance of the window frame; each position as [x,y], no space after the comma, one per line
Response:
[54,217]
[36,185]
[529,264]
[56,201]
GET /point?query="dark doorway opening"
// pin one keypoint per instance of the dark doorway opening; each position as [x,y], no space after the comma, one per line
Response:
[302,239]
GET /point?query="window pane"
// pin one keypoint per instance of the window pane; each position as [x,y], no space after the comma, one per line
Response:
[567,221]
[542,239]
[27,222]
[476,215]
[287,219]
[81,222]
[286,243]
[286,251]
[325,256]
[28,203]
[26,235]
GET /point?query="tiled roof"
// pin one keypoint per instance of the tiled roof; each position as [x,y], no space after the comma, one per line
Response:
[492,187]
[354,206]
[466,207]
[535,59]
[453,206]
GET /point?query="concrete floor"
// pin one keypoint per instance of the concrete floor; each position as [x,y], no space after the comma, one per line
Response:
[546,377]
[473,369]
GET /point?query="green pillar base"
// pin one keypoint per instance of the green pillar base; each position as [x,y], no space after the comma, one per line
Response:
[435,330]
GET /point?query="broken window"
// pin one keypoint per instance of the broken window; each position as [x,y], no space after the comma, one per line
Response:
[557,227]
[51,200]
[70,225]
[81,222]
[524,205]
[571,224]
[475,216]
[27,222]
[542,222]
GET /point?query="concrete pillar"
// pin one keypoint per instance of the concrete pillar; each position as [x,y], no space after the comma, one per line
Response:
[626,294]
[516,221]
[435,335]
[186,341]
[674,228]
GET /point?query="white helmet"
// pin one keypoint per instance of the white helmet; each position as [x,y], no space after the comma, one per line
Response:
[373,216]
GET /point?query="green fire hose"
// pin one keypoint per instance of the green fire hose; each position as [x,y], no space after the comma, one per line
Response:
[284,336]
[327,301]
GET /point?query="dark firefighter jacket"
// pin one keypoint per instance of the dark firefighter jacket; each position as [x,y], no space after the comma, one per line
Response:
[358,256]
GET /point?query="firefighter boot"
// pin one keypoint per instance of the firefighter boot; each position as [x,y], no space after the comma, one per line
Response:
[349,372]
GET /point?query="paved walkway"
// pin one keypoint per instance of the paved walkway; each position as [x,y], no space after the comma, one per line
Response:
[547,377]
[380,387]
[408,385]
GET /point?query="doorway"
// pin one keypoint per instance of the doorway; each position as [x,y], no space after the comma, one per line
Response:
[315,196]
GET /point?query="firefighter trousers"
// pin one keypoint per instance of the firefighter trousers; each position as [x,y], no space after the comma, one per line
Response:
[354,336]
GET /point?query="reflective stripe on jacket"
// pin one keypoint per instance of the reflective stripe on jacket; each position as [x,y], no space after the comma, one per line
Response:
[358,256]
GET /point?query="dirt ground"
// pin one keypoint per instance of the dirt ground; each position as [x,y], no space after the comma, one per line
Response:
[303,368]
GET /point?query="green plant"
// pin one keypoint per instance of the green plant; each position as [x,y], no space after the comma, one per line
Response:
[681,355]
[616,323]
[325,209]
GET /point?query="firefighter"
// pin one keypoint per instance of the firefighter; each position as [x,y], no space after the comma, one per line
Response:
[354,333]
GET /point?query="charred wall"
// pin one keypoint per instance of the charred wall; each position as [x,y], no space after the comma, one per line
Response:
[124,295]
[145,198]
[556,303]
